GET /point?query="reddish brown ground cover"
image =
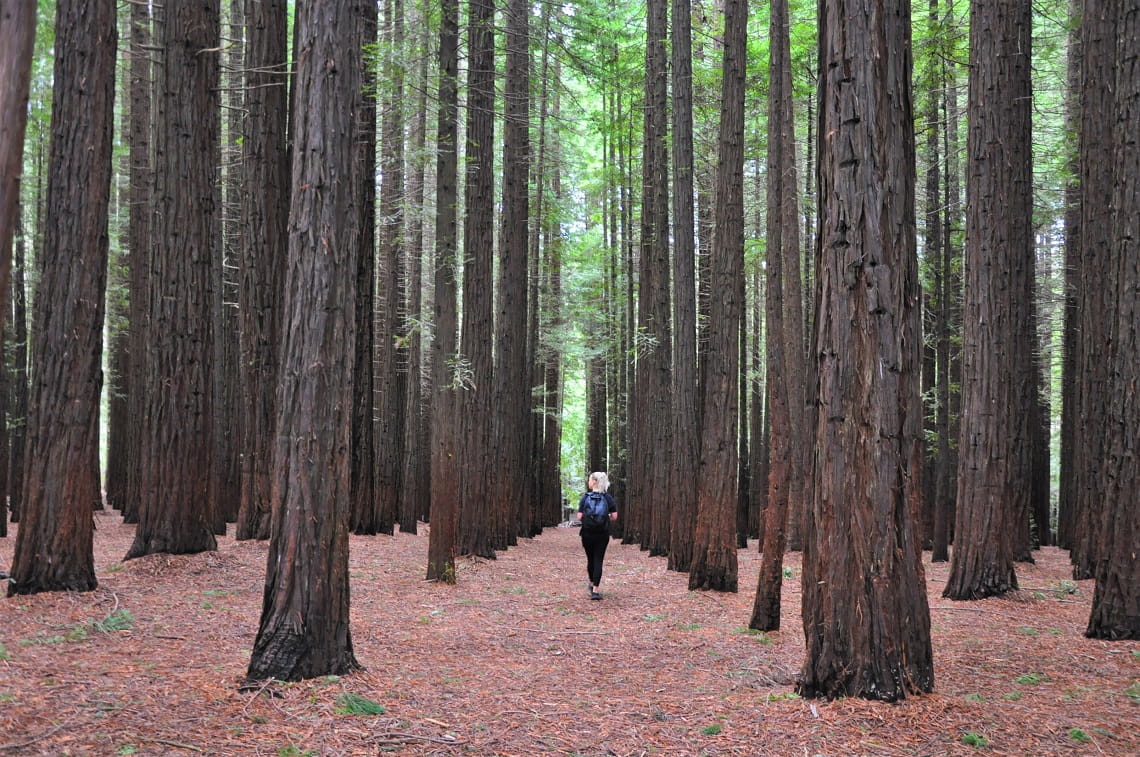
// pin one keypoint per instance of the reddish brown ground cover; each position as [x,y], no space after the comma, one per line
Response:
[516,660]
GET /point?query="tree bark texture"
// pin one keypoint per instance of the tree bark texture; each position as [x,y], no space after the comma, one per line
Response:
[714,563]
[1095,160]
[139,223]
[304,628]
[865,614]
[364,511]
[686,400]
[649,497]
[265,210]
[444,511]
[176,514]
[61,478]
[18,25]
[512,411]
[785,325]
[1116,600]
[391,311]
[993,481]
[478,505]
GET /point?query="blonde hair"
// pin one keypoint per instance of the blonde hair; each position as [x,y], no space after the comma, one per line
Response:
[601,479]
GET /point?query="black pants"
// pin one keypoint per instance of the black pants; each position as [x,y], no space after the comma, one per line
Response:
[595,544]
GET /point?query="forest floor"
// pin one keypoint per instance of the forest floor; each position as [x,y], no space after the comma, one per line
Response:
[516,660]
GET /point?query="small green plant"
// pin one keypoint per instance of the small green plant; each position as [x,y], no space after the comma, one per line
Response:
[115,568]
[653,618]
[712,730]
[6,697]
[975,697]
[787,572]
[1011,696]
[974,739]
[782,696]
[1076,734]
[217,593]
[354,704]
[127,749]
[515,590]
[292,751]
[688,626]
[1027,631]
[4,654]
[119,620]
[760,636]
[1066,588]
[1133,692]
[1136,655]
[1031,679]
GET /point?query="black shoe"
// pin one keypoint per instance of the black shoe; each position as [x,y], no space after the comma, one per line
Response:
[595,595]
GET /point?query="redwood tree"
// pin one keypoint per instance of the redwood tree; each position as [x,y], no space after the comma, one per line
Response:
[865,614]
[714,563]
[649,497]
[686,416]
[61,484]
[993,485]
[444,403]
[1116,601]
[18,23]
[177,454]
[784,325]
[265,160]
[304,628]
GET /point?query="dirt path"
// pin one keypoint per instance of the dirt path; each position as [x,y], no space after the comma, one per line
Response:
[516,660]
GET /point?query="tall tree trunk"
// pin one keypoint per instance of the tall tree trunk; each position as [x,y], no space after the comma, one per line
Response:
[417,459]
[476,514]
[1097,312]
[18,22]
[304,627]
[685,443]
[229,399]
[649,497]
[992,485]
[141,181]
[176,513]
[265,161]
[714,563]
[512,399]
[364,510]
[54,545]
[1116,600]
[865,614]
[1071,339]
[391,345]
[18,382]
[785,324]
[442,541]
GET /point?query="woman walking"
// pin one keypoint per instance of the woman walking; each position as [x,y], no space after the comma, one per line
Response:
[596,510]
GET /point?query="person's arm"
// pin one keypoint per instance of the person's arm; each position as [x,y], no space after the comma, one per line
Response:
[613,506]
[581,507]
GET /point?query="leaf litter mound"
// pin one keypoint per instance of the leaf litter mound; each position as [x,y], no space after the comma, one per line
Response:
[517,660]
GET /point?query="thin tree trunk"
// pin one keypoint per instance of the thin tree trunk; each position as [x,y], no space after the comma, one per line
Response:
[444,404]
[18,20]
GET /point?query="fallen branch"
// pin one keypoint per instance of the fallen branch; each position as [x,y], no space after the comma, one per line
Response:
[397,737]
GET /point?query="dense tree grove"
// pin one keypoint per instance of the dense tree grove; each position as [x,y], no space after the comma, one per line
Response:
[827,278]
